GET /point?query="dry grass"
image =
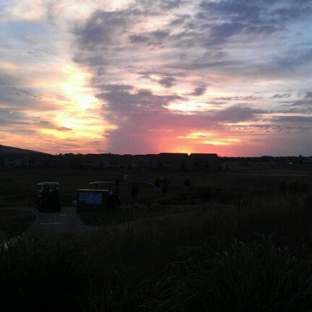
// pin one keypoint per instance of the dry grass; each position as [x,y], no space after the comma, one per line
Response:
[246,246]
[14,222]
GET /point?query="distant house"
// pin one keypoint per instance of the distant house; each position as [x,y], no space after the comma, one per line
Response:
[24,161]
[203,162]
[308,160]
[108,161]
[171,161]
[13,161]
[139,162]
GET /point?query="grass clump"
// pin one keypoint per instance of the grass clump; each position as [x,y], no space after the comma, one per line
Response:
[240,277]
[123,215]
[14,222]
[217,255]
[42,274]
[211,259]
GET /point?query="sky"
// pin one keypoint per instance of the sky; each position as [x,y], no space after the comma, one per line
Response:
[231,77]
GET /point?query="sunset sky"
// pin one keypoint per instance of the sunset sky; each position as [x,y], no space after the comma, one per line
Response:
[232,77]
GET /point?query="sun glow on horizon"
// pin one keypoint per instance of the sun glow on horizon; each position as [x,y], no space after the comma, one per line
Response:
[208,138]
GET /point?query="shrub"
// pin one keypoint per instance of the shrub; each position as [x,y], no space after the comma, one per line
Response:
[242,277]
[42,275]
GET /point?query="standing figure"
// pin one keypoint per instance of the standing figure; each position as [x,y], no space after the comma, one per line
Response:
[165,185]
[135,194]
[157,187]
[187,186]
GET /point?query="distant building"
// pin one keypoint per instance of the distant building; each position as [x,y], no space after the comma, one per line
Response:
[203,162]
[170,161]
[12,157]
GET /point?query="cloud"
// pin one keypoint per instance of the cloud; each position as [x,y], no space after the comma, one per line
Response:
[303,104]
[171,4]
[101,31]
[238,113]
[125,99]
[65,129]
[8,117]
[294,120]
[167,81]
[200,90]
[155,72]
[200,42]
[18,99]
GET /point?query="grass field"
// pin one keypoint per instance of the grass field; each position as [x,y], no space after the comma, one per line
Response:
[244,245]
[18,186]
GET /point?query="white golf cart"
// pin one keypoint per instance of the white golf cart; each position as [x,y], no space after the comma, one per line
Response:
[98,197]
[113,191]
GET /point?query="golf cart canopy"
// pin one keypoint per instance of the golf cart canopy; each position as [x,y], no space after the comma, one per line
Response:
[102,182]
[43,184]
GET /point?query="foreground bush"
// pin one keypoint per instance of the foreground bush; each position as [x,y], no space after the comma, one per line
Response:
[14,222]
[42,274]
[209,259]
[255,277]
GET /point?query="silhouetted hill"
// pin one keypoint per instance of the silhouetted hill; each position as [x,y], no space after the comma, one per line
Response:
[8,150]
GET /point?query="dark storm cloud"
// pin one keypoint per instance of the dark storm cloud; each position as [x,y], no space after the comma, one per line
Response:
[171,4]
[200,90]
[11,117]
[25,99]
[258,15]
[295,120]
[160,34]
[289,60]
[111,88]
[304,104]
[15,118]
[100,30]
[218,38]
[104,29]
[281,96]
[139,39]
[213,26]
[7,79]
[167,82]
[239,98]
[120,100]
[238,113]
[234,18]
[149,38]
[18,97]
[159,6]
[248,18]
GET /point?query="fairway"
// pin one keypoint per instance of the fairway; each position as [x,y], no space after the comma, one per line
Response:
[18,186]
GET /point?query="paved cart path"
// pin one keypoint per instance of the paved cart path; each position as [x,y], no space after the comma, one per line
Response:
[57,222]
[68,221]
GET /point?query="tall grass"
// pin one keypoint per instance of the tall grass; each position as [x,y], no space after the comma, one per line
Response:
[15,222]
[42,274]
[165,265]
[246,252]
[241,277]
